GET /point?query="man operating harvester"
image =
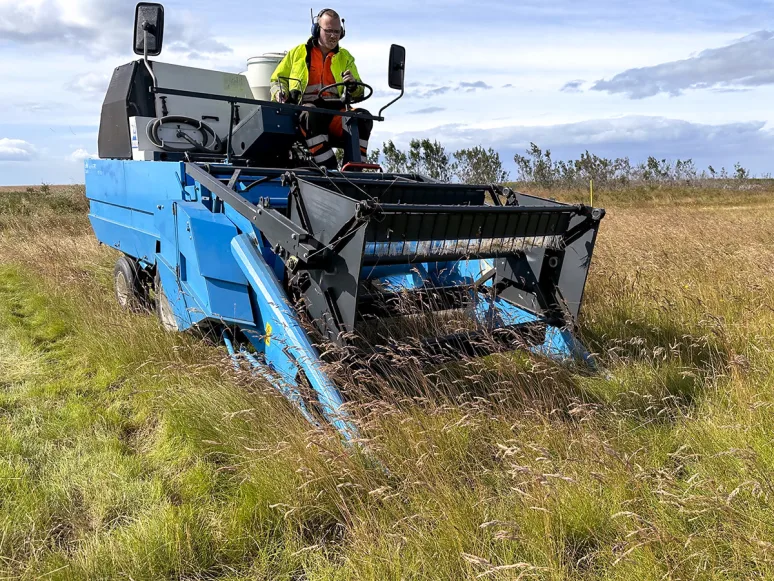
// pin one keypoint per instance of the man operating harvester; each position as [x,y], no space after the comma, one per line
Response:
[307,69]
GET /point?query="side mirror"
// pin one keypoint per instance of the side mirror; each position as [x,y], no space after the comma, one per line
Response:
[397,67]
[148,28]
[395,72]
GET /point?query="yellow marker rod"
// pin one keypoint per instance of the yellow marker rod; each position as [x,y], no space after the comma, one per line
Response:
[591,193]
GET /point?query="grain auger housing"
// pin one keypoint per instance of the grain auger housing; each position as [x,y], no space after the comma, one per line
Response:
[281,257]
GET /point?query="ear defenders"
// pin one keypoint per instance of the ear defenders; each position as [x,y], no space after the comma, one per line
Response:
[316,24]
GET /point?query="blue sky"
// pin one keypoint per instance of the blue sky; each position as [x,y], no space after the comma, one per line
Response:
[669,79]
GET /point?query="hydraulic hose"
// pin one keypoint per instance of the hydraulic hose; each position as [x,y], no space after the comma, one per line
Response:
[210,142]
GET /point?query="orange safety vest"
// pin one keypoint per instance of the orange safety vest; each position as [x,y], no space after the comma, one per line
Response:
[320,75]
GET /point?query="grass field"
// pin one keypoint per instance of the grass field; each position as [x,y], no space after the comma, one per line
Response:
[131,453]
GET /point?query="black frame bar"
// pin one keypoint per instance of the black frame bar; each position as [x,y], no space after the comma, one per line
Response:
[286,106]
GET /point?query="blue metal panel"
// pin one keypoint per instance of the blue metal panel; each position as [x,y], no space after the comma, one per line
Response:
[291,394]
[437,273]
[211,236]
[176,295]
[136,243]
[287,347]
[165,223]
[561,344]
[194,301]
[498,312]
[105,180]
[228,301]
[472,270]
[189,301]
[198,244]
[492,313]
[273,190]
[124,198]
[245,226]
[397,277]
[140,185]
[255,334]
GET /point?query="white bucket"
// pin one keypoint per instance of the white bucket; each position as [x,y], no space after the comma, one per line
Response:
[259,70]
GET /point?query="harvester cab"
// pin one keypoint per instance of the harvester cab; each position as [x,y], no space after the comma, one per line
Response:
[198,187]
[156,111]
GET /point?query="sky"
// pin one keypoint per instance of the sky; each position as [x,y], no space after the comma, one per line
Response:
[673,79]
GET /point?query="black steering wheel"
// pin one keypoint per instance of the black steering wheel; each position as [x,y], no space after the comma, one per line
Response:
[346,97]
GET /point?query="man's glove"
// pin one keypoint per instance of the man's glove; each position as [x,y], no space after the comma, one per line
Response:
[294,98]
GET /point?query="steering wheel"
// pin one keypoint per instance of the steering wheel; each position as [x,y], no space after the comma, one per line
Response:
[345,97]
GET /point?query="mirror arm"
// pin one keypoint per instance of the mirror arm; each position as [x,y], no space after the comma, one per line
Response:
[391,102]
[145,53]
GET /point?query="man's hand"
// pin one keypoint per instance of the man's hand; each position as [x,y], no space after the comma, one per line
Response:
[347,76]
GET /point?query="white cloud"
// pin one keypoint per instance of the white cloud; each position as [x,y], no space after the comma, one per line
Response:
[192,36]
[573,86]
[16,150]
[80,155]
[748,62]
[632,130]
[35,107]
[85,24]
[97,27]
[427,110]
[91,84]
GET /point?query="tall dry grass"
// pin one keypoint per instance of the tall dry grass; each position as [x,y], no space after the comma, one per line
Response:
[128,452]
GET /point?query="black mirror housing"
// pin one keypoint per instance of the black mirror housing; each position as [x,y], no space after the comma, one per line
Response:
[397,67]
[148,18]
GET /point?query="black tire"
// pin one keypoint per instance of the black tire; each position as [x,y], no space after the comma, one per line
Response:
[163,307]
[126,281]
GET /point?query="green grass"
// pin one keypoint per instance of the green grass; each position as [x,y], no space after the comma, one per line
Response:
[131,453]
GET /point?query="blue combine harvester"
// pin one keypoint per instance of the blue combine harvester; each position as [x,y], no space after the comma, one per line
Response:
[220,216]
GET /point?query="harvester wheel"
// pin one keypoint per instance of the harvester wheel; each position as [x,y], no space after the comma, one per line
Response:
[126,276]
[164,309]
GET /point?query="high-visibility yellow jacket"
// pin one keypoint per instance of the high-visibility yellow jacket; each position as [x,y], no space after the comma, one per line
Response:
[293,71]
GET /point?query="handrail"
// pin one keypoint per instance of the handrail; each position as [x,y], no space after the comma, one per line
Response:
[286,106]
